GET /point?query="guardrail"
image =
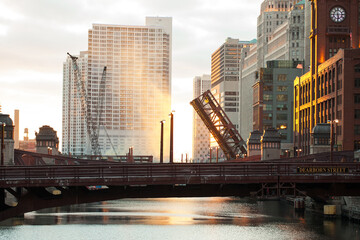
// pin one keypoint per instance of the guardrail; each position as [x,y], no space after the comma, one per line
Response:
[127,174]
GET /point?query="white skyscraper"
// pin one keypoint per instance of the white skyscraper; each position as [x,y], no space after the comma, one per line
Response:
[137,88]
[201,135]
[74,138]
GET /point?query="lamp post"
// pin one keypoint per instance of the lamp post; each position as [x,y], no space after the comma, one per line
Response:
[217,154]
[298,151]
[2,143]
[172,136]
[162,142]
[332,122]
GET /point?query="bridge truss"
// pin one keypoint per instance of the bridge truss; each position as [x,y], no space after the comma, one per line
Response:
[219,125]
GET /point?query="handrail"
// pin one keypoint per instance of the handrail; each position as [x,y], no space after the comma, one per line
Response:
[169,173]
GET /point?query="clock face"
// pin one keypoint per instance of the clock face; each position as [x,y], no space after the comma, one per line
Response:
[337,14]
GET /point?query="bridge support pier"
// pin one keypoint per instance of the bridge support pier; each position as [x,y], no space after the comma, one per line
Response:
[2,198]
[278,189]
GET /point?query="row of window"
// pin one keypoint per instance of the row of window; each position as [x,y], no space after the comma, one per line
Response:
[279,116]
[269,88]
[279,97]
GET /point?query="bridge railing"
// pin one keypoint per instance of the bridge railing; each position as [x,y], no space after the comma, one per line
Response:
[168,173]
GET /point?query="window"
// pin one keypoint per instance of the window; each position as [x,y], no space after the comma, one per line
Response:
[357,113]
[282,88]
[231,99]
[281,107]
[357,68]
[268,88]
[357,82]
[357,129]
[283,136]
[281,116]
[281,126]
[267,116]
[267,107]
[339,100]
[230,104]
[282,97]
[282,77]
[230,110]
[268,97]
[357,98]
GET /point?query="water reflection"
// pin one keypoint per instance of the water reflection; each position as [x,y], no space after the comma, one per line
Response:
[206,218]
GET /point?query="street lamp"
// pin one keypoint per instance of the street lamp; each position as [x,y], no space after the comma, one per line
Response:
[332,122]
[171,115]
[162,141]
[217,154]
[298,151]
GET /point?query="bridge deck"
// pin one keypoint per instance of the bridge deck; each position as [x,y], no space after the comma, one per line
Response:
[161,174]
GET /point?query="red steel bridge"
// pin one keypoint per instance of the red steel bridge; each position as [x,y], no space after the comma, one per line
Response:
[43,186]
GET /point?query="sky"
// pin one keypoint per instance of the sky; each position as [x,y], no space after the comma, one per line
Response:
[35,36]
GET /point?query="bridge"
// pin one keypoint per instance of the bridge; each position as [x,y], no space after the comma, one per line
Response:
[44,186]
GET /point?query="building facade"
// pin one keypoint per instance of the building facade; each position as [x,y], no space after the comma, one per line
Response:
[200,134]
[74,136]
[273,99]
[330,91]
[273,13]
[225,75]
[137,88]
[280,36]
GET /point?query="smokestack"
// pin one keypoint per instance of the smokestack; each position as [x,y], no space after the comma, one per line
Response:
[16,129]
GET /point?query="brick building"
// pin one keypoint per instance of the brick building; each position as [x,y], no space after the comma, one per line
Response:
[331,89]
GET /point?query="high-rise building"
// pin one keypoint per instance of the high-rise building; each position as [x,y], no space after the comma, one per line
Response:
[225,75]
[280,36]
[74,135]
[331,89]
[137,88]
[248,77]
[201,136]
[273,13]
[273,99]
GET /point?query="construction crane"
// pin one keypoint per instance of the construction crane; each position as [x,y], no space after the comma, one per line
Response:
[100,107]
[92,129]
[219,125]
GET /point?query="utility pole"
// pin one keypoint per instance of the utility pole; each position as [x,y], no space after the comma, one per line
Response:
[162,142]
[172,136]
[2,143]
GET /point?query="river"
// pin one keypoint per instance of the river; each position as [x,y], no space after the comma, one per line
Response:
[177,218]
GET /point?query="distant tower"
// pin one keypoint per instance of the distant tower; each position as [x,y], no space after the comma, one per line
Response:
[47,141]
[16,128]
[26,134]
[270,144]
[8,139]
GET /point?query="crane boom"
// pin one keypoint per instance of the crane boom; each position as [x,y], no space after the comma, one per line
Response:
[90,126]
[219,125]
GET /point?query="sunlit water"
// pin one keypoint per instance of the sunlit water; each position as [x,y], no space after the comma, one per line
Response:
[177,218]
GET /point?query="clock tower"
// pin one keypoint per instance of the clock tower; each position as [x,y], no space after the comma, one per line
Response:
[334,25]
